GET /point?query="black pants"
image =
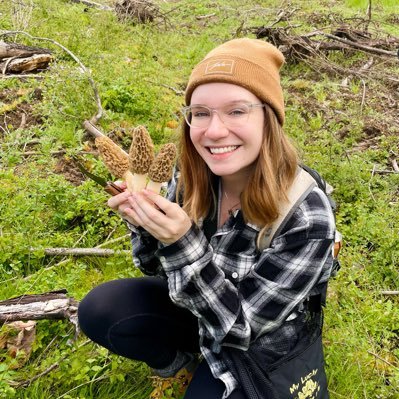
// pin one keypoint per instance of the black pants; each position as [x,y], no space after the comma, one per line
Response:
[135,318]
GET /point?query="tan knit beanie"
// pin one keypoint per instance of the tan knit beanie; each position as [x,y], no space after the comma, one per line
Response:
[250,63]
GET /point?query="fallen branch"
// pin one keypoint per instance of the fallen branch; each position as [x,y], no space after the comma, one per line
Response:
[28,64]
[50,305]
[10,50]
[42,271]
[82,252]
[359,46]
[22,76]
[54,153]
[93,130]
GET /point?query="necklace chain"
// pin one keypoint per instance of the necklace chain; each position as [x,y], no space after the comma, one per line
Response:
[233,207]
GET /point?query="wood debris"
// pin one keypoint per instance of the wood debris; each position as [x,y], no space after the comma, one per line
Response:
[17,58]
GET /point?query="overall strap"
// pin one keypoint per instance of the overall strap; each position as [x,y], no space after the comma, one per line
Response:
[303,184]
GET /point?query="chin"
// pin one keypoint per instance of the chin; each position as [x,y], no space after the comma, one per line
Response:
[223,171]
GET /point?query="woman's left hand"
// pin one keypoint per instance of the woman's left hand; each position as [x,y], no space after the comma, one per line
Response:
[163,219]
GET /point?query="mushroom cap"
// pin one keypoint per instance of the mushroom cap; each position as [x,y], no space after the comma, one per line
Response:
[162,168]
[141,153]
[115,159]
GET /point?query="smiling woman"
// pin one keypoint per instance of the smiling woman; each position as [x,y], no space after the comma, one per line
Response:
[248,311]
[227,143]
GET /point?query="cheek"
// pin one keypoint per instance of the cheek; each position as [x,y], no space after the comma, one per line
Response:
[195,138]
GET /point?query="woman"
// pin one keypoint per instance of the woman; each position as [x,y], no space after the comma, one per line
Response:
[212,289]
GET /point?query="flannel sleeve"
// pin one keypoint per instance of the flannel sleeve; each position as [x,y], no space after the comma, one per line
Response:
[144,246]
[284,275]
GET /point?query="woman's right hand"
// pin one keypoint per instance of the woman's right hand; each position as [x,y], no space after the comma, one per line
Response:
[119,203]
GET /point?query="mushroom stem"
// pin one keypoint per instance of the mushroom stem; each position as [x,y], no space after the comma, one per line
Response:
[154,186]
[139,181]
[129,179]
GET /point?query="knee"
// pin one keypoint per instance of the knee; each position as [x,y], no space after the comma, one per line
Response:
[94,315]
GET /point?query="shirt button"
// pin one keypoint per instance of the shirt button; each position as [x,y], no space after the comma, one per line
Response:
[234,275]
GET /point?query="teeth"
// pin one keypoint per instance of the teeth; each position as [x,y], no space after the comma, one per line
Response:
[222,150]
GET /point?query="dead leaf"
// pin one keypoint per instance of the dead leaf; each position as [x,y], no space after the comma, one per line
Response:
[17,338]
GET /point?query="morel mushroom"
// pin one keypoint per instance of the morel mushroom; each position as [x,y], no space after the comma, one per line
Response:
[141,155]
[162,167]
[115,159]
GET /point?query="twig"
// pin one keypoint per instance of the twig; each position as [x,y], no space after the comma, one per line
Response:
[363,96]
[390,292]
[382,359]
[199,17]
[363,47]
[93,130]
[82,252]
[67,260]
[395,165]
[176,91]
[383,172]
[19,384]
[368,15]
[22,76]
[59,152]
[33,379]
[3,72]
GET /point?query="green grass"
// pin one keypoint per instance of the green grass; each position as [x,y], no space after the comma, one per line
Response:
[347,133]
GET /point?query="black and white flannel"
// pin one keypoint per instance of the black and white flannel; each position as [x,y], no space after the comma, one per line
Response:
[240,295]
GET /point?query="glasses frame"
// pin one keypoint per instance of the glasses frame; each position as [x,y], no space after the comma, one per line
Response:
[186,110]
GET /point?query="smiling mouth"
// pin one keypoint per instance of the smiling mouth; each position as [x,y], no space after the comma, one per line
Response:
[222,150]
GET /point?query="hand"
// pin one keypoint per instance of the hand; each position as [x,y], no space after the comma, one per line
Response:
[163,219]
[120,204]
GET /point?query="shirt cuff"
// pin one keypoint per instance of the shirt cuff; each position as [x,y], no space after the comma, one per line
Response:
[185,251]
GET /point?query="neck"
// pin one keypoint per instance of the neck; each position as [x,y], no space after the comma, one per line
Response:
[232,186]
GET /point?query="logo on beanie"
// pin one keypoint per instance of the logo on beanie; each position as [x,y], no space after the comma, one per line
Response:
[220,66]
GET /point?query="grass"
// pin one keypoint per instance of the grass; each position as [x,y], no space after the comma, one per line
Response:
[348,133]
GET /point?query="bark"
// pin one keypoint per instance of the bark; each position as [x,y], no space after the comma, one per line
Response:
[82,252]
[27,64]
[50,305]
[8,50]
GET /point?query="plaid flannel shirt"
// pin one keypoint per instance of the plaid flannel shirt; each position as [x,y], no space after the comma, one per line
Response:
[242,296]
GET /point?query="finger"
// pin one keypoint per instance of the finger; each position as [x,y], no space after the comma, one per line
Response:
[159,201]
[121,184]
[115,201]
[148,214]
[129,215]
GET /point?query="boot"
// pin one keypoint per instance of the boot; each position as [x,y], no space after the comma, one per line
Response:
[175,386]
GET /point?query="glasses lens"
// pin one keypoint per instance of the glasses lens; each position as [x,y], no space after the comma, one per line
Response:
[235,114]
[198,116]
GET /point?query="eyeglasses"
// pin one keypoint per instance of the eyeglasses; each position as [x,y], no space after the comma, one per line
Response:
[232,115]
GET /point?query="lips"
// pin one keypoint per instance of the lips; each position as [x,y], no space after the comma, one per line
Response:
[222,150]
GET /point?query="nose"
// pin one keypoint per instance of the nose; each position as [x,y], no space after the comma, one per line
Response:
[216,129]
